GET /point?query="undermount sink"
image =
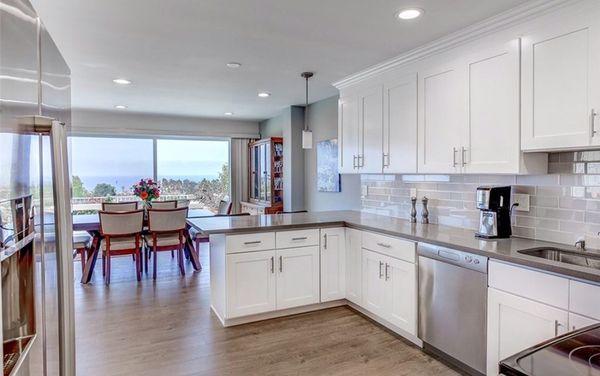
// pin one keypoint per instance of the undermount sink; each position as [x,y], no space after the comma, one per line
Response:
[590,259]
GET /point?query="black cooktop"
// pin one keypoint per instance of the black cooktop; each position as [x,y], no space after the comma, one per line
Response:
[576,353]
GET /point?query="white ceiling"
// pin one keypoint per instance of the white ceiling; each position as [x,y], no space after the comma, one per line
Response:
[175,51]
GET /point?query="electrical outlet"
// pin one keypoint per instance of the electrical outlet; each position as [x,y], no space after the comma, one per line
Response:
[413,192]
[523,200]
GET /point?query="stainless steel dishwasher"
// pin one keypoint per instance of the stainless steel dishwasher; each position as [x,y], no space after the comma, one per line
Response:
[453,305]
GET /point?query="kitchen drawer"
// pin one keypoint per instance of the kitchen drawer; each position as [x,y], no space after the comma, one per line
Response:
[393,247]
[531,284]
[297,238]
[250,242]
[585,299]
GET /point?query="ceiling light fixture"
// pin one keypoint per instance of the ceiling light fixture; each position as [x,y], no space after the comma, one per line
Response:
[410,13]
[121,107]
[306,133]
[229,114]
[264,94]
[234,64]
[122,81]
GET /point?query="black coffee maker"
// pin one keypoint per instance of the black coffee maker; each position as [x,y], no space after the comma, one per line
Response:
[494,216]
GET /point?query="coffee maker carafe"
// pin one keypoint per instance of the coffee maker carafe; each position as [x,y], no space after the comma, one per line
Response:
[494,215]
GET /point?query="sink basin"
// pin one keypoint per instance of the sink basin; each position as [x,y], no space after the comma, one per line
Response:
[590,259]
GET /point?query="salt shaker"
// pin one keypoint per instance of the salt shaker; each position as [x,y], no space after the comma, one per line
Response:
[425,212]
[413,210]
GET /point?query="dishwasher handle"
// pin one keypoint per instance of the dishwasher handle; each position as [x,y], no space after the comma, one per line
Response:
[453,256]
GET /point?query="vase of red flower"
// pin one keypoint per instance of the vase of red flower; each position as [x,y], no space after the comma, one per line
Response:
[147,190]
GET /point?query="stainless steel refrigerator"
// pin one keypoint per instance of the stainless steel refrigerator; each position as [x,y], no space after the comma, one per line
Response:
[35,222]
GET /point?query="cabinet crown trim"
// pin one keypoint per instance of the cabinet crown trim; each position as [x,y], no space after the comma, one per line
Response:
[470,33]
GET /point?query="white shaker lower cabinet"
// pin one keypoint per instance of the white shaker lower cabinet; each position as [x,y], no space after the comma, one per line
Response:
[297,277]
[333,264]
[390,289]
[516,323]
[251,283]
[354,265]
[401,294]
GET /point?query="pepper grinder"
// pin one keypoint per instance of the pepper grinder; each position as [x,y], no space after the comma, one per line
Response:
[425,212]
[413,210]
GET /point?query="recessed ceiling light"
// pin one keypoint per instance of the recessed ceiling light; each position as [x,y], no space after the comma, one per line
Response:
[121,81]
[229,114]
[121,107]
[234,64]
[409,13]
[264,94]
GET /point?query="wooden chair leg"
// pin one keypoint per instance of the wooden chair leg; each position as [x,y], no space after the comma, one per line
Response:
[138,265]
[107,278]
[83,252]
[146,251]
[103,264]
[155,263]
[172,254]
[180,258]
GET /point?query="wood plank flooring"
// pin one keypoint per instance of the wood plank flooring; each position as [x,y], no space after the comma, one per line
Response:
[166,328]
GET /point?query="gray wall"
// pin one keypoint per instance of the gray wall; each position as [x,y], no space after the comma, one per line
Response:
[323,121]
[272,127]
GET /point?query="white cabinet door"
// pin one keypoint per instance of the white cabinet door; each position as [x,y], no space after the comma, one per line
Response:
[348,134]
[401,294]
[493,140]
[400,125]
[297,277]
[251,283]
[373,282]
[577,321]
[370,117]
[516,323]
[353,265]
[333,264]
[560,84]
[442,118]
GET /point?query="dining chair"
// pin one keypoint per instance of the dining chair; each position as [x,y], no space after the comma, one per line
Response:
[81,243]
[166,232]
[183,203]
[119,206]
[170,204]
[122,233]
[199,237]
[224,208]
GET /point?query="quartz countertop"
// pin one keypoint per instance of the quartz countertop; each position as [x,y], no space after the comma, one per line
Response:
[451,237]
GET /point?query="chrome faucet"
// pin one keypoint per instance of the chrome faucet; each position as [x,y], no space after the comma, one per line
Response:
[580,244]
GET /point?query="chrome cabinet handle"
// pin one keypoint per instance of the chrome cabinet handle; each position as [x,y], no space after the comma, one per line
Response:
[325,241]
[252,243]
[384,245]
[272,264]
[385,160]
[454,150]
[556,326]
[361,161]
[593,116]
[300,238]
[354,165]
[386,271]
[280,264]
[463,156]
[380,270]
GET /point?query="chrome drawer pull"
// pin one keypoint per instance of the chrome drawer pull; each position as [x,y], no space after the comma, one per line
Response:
[384,245]
[300,238]
[280,264]
[386,271]
[254,242]
[380,270]
[272,264]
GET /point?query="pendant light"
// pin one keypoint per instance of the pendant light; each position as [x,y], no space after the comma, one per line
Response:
[306,133]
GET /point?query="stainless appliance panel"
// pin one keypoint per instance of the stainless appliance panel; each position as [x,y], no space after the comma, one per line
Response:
[452,303]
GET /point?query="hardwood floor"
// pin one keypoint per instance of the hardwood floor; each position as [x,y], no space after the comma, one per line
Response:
[166,328]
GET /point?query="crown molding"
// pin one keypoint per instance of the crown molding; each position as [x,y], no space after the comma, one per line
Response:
[473,32]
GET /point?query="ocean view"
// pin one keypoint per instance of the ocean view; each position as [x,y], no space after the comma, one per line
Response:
[125,182]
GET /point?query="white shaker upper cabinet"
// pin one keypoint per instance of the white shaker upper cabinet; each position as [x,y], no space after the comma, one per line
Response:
[560,84]
[442,118]
[348,131]
[370,118]
[400,125]
[492,145]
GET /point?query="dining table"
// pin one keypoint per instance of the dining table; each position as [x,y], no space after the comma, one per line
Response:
[90,223]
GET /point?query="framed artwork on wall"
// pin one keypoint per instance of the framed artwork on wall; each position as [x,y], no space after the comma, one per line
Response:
[328,176]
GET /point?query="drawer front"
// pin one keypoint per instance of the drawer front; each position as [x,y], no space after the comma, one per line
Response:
[250,242]
[393,247]
[585,299]
[297,238]
[531,284]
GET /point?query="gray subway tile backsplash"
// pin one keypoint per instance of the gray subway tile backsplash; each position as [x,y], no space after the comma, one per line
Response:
[564,204]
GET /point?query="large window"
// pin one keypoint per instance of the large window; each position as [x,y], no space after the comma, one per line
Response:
[105,168]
